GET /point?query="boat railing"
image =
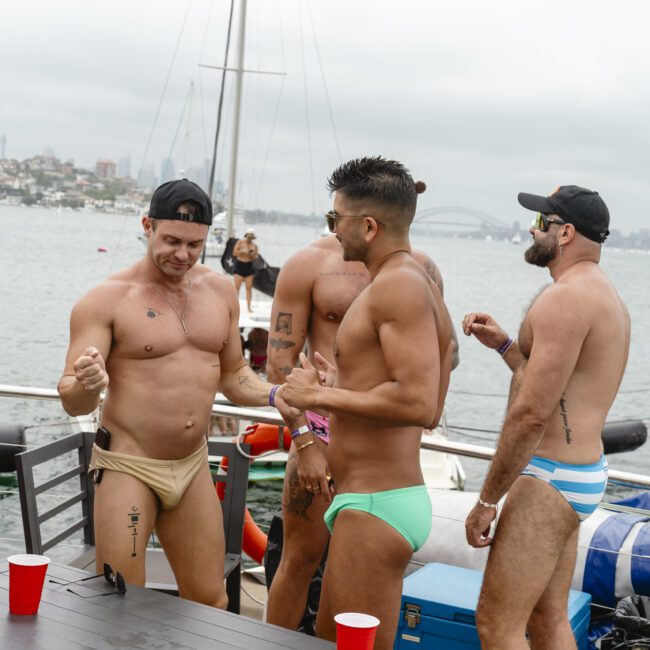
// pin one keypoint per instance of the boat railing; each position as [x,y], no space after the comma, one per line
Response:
[219,408]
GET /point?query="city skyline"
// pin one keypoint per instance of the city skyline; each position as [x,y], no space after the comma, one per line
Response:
[480,101]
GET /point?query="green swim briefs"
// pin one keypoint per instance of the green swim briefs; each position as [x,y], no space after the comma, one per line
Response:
[407,510]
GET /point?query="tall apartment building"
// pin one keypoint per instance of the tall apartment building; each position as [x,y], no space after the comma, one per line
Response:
[105,169]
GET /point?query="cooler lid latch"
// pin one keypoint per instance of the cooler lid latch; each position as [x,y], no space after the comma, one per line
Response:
[411,615]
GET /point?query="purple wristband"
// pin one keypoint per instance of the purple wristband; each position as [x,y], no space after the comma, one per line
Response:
[505,347]
[272,393]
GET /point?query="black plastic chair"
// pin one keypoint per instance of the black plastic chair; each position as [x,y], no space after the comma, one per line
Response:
[158,571]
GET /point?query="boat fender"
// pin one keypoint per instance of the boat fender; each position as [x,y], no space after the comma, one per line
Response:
[624,436]
[613,547]
[261,437]
[12,442]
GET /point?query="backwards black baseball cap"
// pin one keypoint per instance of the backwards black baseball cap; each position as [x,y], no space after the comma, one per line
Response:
[575,205]
[169,196]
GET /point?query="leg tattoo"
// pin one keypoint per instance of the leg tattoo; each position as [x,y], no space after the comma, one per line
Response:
[134,518]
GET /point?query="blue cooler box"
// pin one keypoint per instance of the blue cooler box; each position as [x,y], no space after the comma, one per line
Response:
[439,605]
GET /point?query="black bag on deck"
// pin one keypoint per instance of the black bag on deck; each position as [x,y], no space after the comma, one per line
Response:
[265,275]
[271,562]
[631,625]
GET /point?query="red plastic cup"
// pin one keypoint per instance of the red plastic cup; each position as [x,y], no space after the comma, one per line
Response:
[355,631]
[26,578]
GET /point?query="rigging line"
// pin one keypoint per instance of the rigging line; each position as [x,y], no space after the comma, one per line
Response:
[268,145]
[276,112]
[259,602]
[178,128]
[504,396]
[153,126]
[322,74]
[47,424]
[220,106]
[454,426]
[256,112]
[304,78]
[476,394]
[201,100]
[613,481]
[164,90]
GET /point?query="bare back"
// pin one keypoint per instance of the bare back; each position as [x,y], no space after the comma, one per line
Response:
[162,381]
[398,329]
[582,320]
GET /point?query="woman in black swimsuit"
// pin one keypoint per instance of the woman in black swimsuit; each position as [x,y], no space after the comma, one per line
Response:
[245,252]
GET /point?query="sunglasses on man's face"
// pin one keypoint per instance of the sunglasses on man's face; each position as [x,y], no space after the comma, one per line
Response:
[116,580]
[332,216]
[542,222]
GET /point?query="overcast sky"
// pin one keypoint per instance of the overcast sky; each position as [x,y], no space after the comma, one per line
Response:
[480,99]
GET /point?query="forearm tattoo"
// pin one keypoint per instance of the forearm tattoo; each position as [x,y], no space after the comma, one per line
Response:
[565,420]
[245,381]
[283,322]
[280,344]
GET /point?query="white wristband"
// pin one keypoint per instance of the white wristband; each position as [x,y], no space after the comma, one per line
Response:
[300,431]
[485,504]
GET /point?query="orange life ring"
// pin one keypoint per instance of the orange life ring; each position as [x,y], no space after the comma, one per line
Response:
[261,437]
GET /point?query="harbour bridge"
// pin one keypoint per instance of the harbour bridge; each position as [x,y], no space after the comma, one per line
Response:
[464,219]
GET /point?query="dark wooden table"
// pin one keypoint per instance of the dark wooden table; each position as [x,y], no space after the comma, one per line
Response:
[140,618]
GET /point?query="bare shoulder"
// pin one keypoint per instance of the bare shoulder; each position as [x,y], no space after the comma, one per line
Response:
[204,276]
[559,305]
[104,298]
[430,267]
[401,287]
[303,265]
[321,249]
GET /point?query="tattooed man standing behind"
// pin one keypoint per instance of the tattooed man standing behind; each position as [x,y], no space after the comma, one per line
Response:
[314,290]
[160,337]
[567,364]
[393,350]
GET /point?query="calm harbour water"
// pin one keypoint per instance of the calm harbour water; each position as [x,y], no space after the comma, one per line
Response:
[50,259]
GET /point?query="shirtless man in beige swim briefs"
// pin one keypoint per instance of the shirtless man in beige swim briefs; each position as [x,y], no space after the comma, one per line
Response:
[315,288]
[567,363]
[393,352]
[160,337]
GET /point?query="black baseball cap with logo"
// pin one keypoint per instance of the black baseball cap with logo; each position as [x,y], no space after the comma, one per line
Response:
[169,196]
[576,205]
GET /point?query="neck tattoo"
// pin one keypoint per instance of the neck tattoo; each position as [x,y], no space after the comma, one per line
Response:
[181,315]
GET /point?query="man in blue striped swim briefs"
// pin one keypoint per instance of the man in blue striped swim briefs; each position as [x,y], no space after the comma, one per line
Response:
[567,363]
[393,353]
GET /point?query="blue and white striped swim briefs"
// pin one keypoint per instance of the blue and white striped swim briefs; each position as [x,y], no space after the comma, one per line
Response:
[582,486]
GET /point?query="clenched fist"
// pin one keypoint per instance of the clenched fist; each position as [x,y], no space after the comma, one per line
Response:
[90,371]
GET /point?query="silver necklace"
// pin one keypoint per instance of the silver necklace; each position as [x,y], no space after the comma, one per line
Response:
[181,316]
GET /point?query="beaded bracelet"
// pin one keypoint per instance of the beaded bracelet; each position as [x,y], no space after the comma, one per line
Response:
[505,347]
[300,431]
[274,390]
[485,504]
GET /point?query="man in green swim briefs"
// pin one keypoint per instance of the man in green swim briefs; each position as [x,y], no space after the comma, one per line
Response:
[393,353]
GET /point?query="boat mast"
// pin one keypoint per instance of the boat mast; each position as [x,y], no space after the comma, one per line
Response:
[239,72]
